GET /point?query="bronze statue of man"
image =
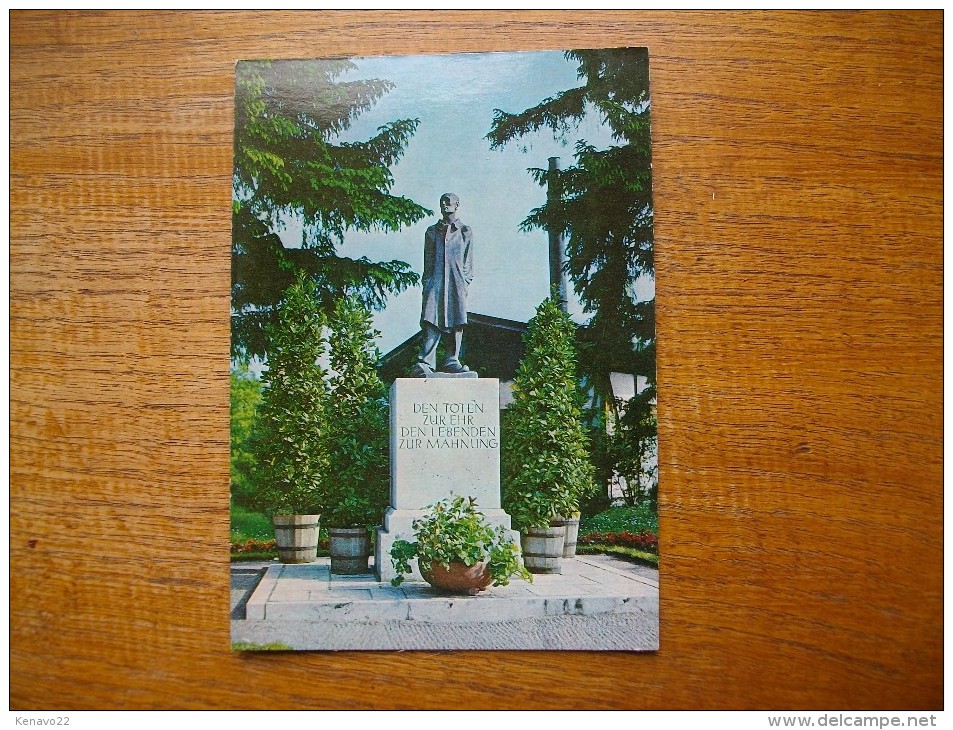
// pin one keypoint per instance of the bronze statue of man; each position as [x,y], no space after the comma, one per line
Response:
[448,271]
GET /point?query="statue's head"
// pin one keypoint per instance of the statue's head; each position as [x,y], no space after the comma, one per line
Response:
[449,203]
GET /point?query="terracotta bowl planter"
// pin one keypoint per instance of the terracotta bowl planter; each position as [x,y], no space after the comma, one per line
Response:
[459,579]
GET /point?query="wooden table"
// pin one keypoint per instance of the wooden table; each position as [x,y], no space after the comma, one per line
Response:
[798,167]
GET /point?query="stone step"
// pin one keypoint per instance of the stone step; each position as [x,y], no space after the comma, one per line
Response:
[587,587]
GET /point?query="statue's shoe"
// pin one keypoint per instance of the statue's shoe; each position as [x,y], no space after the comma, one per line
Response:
[454,367]
[420,370]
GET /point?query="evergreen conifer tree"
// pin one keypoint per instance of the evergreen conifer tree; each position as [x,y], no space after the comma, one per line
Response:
[605,211]
[605,206]
[290,164]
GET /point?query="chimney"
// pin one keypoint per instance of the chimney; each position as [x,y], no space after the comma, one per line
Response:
[557,249]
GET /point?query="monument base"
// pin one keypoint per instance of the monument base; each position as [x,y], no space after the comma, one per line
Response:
[439,374]
[444,441]
[398,525]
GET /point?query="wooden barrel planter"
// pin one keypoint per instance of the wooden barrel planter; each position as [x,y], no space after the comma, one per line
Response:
[543,549]
[350,550]
[572,533]
[297,537]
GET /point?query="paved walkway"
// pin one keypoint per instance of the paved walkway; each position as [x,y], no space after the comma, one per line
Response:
[598,602]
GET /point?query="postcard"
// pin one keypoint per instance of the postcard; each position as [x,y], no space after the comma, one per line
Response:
[443,405]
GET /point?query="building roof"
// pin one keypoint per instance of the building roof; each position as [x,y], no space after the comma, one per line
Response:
[492,346]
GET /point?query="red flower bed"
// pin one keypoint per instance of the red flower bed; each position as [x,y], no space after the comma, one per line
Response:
[260,546]
[254,546]
[644,540]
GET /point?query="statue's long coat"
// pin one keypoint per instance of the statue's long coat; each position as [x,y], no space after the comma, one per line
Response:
[448,271]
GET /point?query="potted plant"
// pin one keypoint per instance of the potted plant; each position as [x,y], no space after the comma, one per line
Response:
[289,427]
[457,550]
[355,492]
[546,468]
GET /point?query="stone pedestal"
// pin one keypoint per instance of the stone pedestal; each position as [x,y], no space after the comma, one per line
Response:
[444,441]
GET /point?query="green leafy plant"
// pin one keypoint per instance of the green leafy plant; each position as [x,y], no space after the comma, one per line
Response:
[288,434]
[245,396]
[454,531]
[546,468]
[633,447]
[356,490]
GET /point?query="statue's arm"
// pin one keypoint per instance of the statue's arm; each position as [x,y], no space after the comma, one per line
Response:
[428,255]
[468,256]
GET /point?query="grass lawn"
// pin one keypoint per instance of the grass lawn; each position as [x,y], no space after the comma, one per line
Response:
[621,519]
[254,526]
[626,553]
[249,646]
[250,525]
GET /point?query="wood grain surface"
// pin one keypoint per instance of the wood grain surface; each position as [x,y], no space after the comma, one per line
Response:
[798,186]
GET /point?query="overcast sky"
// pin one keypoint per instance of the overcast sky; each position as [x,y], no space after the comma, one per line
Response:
[454,96]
